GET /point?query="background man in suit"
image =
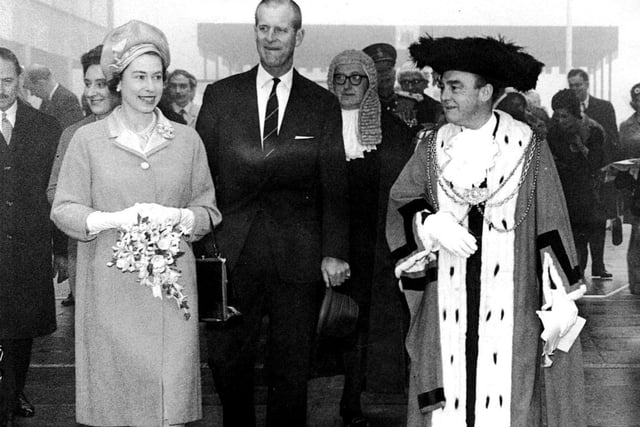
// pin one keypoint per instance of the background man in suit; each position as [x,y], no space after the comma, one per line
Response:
[603,113]
[57,100]
[414,81]
[27,147]
[274,141]
[181,85]
[63,105]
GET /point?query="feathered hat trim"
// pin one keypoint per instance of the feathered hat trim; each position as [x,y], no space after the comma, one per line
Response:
[503,64]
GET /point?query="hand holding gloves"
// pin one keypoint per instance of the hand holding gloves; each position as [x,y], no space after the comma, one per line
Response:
[442,230]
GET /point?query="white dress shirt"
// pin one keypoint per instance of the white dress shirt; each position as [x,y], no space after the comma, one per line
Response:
[11,115]
[191,112]
[264,83]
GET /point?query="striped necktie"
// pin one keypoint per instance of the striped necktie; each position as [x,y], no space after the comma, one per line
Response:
[7,129]
[270,129]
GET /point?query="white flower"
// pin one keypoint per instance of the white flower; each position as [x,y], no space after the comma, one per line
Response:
[164,243]
[150,250]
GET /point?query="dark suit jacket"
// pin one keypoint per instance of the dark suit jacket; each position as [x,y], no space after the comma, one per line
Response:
[300,189]
[602,112]
[64,106]
[27,307]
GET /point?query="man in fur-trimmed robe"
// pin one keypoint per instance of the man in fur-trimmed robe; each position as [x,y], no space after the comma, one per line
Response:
[480,204]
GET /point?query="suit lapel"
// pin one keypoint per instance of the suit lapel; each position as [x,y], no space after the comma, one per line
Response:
[294,111]
[22,124]
[249,108]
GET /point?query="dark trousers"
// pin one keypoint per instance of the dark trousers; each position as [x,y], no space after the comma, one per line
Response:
[232,350]
[16,355]
[590,236]
[596,245]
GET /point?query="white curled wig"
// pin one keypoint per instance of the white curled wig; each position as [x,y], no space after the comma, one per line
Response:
[370,132]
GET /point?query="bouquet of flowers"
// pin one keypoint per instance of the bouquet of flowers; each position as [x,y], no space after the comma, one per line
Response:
[151,250]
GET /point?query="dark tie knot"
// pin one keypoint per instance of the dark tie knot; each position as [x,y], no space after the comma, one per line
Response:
[275,84]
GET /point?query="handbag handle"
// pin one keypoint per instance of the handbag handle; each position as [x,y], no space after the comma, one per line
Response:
[210,244]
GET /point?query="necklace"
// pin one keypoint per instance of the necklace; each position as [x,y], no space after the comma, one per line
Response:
[480,200]
[145,133]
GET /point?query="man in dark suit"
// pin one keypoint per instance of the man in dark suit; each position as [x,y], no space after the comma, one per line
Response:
[57,100]
[27,148]
[603,113]
[63,105]
[274,141]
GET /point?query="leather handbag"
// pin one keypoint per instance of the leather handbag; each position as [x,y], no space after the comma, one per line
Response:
[616,227]
[214,293]
[338,314]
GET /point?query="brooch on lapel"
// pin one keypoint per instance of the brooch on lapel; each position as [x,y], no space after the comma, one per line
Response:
[165,130]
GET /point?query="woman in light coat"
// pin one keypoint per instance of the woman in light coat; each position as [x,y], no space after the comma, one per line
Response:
[137,358]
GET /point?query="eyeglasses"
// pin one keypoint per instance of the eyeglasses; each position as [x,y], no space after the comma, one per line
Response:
[354,79]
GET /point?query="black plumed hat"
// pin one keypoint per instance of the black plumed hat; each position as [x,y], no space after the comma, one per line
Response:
[501,63]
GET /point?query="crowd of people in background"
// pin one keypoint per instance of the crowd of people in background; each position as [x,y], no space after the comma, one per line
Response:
[429,214]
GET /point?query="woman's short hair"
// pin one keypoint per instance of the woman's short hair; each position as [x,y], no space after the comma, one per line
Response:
[91,58]
[567,99]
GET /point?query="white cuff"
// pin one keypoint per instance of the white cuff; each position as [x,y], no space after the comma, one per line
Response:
[98,221]
[424,239]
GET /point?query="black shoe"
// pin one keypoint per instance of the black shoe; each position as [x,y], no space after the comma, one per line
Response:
[604,274]
[69,300]
[24,408]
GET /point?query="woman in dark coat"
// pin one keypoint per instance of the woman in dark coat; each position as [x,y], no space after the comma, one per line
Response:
[577,150]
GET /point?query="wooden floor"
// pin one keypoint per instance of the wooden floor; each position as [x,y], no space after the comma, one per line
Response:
[611,342]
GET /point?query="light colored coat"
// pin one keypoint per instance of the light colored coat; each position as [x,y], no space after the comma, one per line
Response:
[137,359]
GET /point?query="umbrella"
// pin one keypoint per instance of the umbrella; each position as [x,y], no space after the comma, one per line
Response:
[631,166]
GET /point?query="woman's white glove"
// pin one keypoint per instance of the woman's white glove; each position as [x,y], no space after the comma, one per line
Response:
[160,214]
[167,215]
[442,229]
[98,221]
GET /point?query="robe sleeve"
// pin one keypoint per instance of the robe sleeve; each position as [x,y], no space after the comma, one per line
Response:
[409,197]
[554,235]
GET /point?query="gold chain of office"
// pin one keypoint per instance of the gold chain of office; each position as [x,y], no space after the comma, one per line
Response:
[474,198]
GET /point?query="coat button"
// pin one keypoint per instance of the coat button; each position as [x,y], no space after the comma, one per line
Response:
[9,203]
[145,165]
[9,237]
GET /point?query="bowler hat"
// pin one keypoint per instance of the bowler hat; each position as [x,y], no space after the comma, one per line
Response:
[338,314]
